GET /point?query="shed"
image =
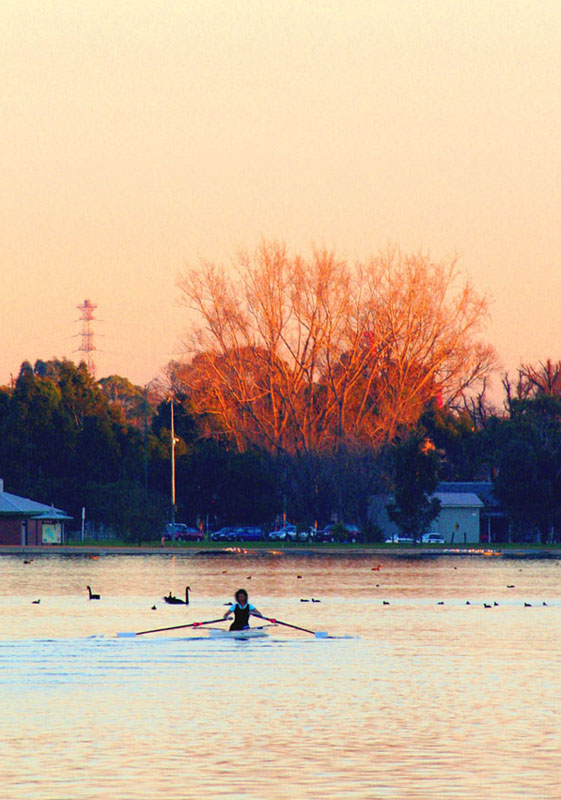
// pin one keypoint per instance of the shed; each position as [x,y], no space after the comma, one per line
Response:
[27,522]
[458,521]
[493,519]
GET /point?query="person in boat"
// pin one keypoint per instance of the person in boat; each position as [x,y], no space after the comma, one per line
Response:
[242,609]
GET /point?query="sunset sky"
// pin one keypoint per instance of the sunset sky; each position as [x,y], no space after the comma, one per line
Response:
[140,135]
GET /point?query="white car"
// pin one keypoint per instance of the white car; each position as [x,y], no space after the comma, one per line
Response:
[432,538]
[400,540]
[288,533]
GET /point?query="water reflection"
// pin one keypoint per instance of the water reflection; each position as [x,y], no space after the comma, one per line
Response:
[432,701]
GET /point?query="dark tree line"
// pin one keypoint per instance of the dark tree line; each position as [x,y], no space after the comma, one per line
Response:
[63,442]
[67,439]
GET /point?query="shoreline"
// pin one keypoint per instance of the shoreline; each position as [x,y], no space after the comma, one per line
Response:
[508,551]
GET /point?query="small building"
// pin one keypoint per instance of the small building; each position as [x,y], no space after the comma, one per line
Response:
[494,525]
[26,522]
[458,521]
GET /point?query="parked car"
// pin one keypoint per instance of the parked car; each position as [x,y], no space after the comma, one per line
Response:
[287,533]
[341,532]
[222,535]
[240,533]
[180,532]
[400,540]
[305,534]
[249,533]
[432,538]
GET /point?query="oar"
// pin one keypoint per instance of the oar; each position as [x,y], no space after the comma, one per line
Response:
[317,634]
[172,628]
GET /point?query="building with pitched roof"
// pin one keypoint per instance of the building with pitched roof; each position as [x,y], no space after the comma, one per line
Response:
[27,522]
[493,519]
[458,520]
[469,513]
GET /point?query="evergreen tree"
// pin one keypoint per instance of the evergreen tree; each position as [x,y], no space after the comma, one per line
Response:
[415,479]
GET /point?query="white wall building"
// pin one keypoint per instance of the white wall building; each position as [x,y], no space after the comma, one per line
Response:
[458,521]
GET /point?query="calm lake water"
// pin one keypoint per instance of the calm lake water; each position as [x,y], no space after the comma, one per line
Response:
[426,700]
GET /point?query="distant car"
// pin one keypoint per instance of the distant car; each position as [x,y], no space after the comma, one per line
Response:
[323,535]
[222,535]
[287,533]
[182,533]
[306,534]
[342,532]
[249,533]
[400,540]
[240,533]
[432,538]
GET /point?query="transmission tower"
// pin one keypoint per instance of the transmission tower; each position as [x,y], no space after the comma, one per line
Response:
[87,345]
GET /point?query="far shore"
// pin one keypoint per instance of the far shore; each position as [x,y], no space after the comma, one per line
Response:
[264,549]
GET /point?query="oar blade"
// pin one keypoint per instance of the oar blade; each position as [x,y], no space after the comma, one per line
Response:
[125,634]
[321,635]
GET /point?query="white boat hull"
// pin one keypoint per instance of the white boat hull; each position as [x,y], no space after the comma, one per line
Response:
[248,633]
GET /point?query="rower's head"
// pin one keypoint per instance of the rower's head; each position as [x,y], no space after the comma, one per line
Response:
[241,597]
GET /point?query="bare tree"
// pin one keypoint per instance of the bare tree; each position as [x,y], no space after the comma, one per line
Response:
[540,380]
[428,348]
[310,354]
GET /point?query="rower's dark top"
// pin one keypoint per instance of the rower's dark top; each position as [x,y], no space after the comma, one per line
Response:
[241,616]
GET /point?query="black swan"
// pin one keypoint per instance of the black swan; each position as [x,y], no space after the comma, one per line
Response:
[176,601]
[36,602]
[92,595]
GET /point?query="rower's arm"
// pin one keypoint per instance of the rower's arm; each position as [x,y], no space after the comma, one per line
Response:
[257,613]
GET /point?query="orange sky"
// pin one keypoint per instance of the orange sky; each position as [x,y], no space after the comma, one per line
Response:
[137,136]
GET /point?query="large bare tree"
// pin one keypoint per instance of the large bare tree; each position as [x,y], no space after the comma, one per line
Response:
[308,354]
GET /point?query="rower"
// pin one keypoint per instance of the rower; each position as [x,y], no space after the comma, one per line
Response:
[242,609]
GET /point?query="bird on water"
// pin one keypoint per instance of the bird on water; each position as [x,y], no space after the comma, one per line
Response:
[92,595]
[177,601]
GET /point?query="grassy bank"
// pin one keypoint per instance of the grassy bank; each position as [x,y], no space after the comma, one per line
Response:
[116,547]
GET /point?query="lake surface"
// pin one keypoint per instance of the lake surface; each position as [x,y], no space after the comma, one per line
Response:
[426,700]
